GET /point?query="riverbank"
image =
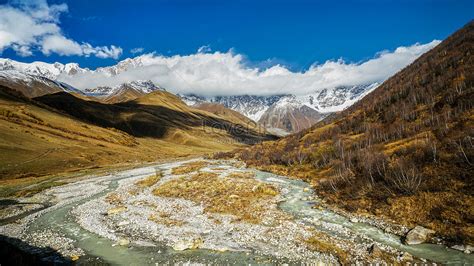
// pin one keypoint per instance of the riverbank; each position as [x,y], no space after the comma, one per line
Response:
[209,211]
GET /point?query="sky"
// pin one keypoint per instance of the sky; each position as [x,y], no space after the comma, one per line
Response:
[275,36]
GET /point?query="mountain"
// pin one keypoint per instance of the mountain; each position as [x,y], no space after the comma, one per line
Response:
[32,85]
[289,114]
[265,110]
[228,114]
[251,106]
[140,86]
[302,110]
[284,114]
[330,100]
[53,71]
[50,71]
[404,152]
[59,132]
[154,115]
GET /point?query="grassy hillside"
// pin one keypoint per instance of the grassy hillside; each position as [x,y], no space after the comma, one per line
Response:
[156,115]
[123,95]
[404,152]
[228,114]
[38,140]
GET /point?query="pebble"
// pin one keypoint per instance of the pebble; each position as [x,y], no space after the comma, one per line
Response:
[124,242]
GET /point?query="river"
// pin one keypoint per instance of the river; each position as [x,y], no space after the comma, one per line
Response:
[297,200]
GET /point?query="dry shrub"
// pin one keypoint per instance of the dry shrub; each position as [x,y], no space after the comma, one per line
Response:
[245,175]
[149,181]
[444,212]
[188,167]
[243,198]
[163,218]
[113,198]
[321,243]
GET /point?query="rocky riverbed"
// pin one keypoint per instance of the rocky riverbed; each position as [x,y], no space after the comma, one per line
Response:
[204,211]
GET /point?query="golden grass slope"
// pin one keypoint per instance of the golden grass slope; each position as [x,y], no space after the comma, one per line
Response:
[37,140]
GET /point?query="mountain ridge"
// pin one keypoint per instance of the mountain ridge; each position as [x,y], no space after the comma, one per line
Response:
[404,152]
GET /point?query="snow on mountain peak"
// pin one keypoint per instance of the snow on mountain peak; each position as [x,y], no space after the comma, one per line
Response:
[144,86]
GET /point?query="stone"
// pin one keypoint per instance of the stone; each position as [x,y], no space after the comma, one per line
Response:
[406,257]
[459,247]
[354,220]
[222,249]
[123,242]
[116,210]
[305,189]
[375,251]
[418,235]
[187,244]
[123,223]
[468,249]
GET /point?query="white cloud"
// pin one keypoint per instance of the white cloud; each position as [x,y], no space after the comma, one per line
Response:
[204,49]
[27,26]
[60,45]
[227,73]
[137,50]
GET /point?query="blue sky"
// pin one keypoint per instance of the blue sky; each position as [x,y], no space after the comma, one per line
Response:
[294,33]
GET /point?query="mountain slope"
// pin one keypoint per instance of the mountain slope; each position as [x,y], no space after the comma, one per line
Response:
[32,85]
[58,132]
[290,115]
[157,115]
[284,114]
[404,152]
[227,113]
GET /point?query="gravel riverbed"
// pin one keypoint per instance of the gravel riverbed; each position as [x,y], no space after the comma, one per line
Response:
[113,213]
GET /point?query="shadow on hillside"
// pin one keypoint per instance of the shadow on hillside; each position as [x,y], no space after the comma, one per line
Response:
[145,120]
[16,252]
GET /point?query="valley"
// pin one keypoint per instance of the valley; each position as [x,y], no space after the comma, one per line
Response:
[236,133]
[133,221]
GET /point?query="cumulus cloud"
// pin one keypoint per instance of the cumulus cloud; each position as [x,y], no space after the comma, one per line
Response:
[218,73]
[27,26]
[137,50]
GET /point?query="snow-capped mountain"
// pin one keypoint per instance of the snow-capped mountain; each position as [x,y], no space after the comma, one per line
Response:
[38,70]
[32,85]
[251,106]
[283,112]
[336,99]
[54,70]
[50,71]
[142,86]
[289,113]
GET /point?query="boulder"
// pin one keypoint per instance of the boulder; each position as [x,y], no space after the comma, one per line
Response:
[354,220]
[375,251]
[405,256]
[123,242]
[466,249]
[418,235]
[187,244]
[458,247]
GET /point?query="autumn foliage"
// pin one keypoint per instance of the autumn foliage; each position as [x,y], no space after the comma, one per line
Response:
[407,145]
